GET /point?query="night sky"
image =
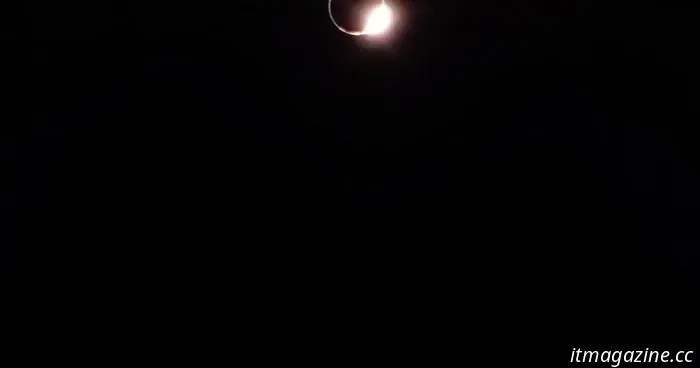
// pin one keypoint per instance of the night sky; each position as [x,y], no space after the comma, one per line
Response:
[540,156]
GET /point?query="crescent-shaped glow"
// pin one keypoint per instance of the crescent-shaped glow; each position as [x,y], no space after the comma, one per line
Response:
[378,21]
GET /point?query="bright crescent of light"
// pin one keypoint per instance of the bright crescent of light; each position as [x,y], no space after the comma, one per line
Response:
[352,33]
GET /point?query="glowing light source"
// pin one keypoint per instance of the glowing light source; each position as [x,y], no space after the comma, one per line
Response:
[378,21]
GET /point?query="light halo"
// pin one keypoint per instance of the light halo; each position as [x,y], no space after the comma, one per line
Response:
[364,32]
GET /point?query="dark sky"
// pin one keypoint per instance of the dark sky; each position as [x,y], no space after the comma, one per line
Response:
[505,138]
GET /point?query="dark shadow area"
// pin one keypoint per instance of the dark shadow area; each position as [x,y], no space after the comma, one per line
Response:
[522,173]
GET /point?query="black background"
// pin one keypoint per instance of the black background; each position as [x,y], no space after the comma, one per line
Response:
[539,156]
